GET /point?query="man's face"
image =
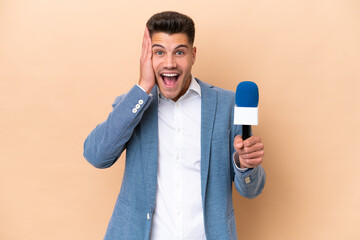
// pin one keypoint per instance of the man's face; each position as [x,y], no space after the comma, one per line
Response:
[173,57]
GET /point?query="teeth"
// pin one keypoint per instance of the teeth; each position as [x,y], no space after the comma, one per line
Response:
[170,74]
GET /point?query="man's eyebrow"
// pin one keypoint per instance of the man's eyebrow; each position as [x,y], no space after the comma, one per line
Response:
[180,46]
[157,45]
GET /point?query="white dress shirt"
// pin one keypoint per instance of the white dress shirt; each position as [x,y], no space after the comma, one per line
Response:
[179,212]
[178,208]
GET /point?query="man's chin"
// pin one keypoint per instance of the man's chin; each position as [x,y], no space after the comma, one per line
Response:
[168,94]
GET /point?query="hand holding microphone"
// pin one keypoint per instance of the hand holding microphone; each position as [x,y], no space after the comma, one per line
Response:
[249,149]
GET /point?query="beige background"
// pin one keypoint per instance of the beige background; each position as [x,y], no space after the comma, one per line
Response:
[62,63]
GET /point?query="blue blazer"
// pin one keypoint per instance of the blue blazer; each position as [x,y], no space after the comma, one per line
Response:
[133,125]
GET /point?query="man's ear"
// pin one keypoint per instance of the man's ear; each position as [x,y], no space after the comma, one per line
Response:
[193,55]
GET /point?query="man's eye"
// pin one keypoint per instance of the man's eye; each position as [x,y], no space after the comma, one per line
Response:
[159,53]
[179,53]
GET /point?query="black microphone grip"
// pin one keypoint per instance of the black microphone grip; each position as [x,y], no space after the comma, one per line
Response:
[246,131]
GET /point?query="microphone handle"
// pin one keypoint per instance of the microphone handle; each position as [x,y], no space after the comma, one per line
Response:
[246,131]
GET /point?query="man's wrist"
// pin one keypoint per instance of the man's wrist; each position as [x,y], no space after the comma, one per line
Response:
[141,87]
[145,88]
[237,163]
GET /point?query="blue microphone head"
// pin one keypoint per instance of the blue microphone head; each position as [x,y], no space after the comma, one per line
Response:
[247,94]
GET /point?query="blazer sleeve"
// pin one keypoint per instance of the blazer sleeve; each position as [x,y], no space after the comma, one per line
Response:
[107,141]
[249,183]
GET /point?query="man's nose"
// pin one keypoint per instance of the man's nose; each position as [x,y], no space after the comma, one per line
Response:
[170,62]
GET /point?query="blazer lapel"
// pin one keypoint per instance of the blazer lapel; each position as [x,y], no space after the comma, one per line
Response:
[208,110]
[149,145]
[149,139]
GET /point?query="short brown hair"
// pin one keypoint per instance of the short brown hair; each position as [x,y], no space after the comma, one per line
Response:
[172,22]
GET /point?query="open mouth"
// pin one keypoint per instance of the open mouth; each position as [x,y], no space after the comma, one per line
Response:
[169,79]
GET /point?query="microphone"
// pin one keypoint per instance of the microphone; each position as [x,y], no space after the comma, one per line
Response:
[246,108]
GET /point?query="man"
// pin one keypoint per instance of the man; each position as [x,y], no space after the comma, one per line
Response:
[182,149]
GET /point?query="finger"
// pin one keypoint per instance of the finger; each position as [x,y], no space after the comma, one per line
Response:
[144,42]
[254,162]
[147,33]
[251,163]
[147,51]
[245,165]
[149,44]
[254,148]
[253,155]
[238,143]
[251,141]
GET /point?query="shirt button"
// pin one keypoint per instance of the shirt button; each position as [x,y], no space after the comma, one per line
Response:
[137,106]
[134,110]
[141,101]
[148,216]
[247,180]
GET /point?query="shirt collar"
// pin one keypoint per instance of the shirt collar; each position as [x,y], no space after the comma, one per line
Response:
[194,87]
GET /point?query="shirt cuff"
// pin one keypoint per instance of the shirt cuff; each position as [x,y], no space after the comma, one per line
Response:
[140,87]
[236,165]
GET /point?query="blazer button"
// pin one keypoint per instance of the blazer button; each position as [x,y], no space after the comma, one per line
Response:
[134,110]
[137,106]
[141,101]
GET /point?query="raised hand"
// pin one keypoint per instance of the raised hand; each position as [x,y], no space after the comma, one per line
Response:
[147,76]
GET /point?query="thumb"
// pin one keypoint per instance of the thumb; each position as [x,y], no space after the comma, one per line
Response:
[238,143]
